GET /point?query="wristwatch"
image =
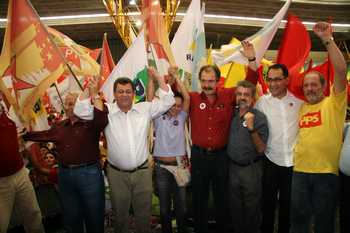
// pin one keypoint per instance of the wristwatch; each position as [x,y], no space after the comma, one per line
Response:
[327,42]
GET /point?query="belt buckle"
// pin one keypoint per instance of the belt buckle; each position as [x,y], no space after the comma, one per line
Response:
[210,151]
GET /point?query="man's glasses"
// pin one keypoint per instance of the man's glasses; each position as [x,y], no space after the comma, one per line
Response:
[270,80]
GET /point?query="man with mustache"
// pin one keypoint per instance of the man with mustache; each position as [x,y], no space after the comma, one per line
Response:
[210,114]
[246,145]
[316,153]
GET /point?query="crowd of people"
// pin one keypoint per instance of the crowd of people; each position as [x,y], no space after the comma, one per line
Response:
[278,152]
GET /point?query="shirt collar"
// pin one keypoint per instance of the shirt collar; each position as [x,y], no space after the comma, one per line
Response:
[217,94]
[287,96]
[114,109]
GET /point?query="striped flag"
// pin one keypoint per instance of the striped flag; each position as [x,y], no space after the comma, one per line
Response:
[34,60]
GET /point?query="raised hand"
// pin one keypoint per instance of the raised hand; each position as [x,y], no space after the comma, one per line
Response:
[93,86]
[173,74]
[153,73]
[323,30]
[248,50]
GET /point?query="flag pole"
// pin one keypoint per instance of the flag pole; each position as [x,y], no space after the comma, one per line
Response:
[55,46]
[101,61]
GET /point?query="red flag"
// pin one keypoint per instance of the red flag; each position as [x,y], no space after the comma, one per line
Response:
[293,52]
[295,46]
[107,63]
[326,69]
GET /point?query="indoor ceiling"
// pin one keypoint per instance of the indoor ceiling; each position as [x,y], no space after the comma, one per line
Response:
[89,31]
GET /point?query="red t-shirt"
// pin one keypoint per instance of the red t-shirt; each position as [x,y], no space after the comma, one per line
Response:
[10,159]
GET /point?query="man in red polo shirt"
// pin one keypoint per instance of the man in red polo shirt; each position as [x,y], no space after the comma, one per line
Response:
[210,114]
[16,189]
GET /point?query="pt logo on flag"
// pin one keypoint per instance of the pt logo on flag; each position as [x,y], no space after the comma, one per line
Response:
[311,119]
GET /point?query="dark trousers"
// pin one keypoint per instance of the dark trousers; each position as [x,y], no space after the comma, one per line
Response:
[209,171]
[344,204]
[83,198]
[170,194]
[277,181]
[313,195]
[245,190]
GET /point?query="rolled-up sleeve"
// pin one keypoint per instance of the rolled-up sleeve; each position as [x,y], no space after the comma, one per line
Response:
[84,109]
[164,103]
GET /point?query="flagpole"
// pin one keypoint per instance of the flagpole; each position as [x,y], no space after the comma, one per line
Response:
[101,61]
[55,46]
[60,97]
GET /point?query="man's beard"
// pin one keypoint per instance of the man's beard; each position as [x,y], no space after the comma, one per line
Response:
[242,104]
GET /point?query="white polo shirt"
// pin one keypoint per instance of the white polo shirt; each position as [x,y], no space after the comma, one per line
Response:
[282,116]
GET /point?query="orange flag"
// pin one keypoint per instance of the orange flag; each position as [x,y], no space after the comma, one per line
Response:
[107,63]
[35,62]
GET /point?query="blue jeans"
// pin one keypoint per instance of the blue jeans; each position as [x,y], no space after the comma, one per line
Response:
[83,198]
[169,191]
[313,195]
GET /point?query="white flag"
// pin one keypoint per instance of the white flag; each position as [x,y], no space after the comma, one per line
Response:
[132,65]
[261,41]
[188,44]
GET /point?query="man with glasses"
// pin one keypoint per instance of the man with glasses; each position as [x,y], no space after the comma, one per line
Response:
[210,113]
[281,109]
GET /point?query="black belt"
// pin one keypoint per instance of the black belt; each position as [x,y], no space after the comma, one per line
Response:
[257,159]
[207,151]
[171,163]
[75,166]
[142,166]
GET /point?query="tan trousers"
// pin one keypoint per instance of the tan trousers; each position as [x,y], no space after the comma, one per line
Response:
[16,191]
[135,189]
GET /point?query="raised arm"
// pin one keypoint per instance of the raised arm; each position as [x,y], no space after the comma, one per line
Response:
[166,96]
[93,91]
[83,107]
[324,31]
[41,136]
[174,74]
[150,89]
[249,53]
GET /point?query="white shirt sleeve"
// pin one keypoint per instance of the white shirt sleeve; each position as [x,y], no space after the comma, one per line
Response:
[161,105]
[84,109]
[258,104]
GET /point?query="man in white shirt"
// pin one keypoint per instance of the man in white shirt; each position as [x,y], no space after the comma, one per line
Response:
[128,174]
[281,109]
